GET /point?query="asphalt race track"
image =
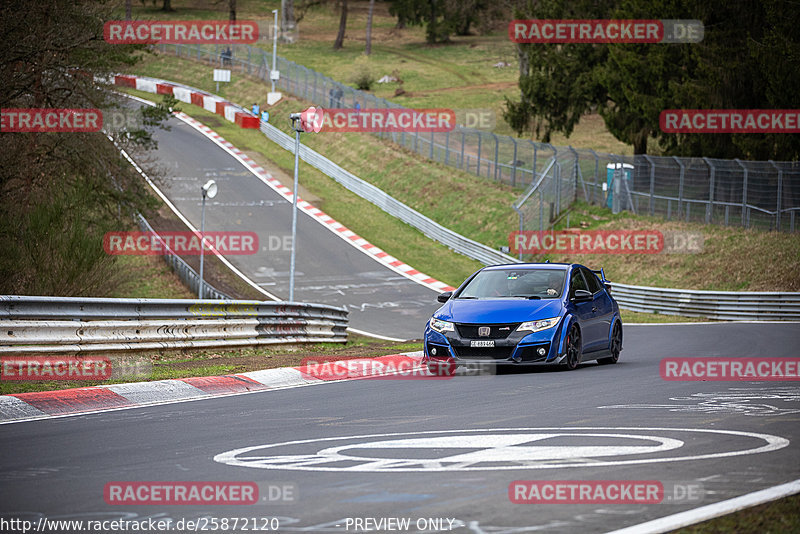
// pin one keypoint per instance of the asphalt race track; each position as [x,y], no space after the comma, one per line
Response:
[329,270]
[436,449]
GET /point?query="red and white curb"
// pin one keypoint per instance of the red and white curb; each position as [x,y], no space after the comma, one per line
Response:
[19,407]
[160,87]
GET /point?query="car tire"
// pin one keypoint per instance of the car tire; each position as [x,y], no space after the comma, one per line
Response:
[614,345]
[574,347]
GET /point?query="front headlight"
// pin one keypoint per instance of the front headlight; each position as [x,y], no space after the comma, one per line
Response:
[441,326]
[538,326]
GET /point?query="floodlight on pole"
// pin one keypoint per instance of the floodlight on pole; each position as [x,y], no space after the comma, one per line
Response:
[309,121]
[209,190]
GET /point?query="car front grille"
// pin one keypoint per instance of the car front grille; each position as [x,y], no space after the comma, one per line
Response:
[483,353]
[496,331]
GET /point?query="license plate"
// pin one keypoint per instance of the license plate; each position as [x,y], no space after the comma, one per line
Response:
[482,343]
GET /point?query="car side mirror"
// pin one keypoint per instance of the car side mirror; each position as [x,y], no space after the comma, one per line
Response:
[582,295]
[444,297]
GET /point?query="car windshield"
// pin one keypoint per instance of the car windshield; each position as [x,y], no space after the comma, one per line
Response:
[515,283]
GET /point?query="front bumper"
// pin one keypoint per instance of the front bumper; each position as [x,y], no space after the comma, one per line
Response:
[518,348]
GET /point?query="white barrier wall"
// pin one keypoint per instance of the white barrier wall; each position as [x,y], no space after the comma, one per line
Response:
[145,85]
[230,113]
[210,103]
[182,94]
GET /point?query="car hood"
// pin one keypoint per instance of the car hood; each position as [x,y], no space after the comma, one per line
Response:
[498,310]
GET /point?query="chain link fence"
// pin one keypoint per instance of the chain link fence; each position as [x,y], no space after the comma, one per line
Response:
[753,194]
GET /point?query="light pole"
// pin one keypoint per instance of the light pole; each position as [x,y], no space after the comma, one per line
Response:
[308,121]
[210,191]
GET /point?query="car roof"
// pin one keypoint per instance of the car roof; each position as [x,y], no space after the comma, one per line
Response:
[553,266]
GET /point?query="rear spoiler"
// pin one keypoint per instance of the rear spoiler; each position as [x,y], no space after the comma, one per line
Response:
[603,278]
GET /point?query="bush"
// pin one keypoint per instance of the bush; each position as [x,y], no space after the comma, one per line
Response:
[362,75]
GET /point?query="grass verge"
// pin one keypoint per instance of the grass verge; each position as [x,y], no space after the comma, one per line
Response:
[776,517]
[214,362]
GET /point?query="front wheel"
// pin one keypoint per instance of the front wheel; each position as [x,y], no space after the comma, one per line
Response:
[573,348]
[615,346]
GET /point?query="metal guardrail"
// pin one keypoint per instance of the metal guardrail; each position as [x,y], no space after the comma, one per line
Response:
[79,324]
[723,305]
[463,245]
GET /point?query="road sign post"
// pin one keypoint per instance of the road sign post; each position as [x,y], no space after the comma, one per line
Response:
[222,75]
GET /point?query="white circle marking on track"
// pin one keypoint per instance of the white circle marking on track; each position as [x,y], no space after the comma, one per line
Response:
[490,446]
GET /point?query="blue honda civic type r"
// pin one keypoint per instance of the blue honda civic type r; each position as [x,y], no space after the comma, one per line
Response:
[525,314]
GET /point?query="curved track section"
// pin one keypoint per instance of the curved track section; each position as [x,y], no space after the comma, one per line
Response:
[329,270]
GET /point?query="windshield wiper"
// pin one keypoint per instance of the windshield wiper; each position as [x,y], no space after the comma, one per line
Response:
[466,298]
[529,297]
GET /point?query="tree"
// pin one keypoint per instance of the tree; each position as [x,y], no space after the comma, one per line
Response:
[165,6]
[441,18]
[368,48]
[557,82]
[60,192]
[736,66]
[339,42]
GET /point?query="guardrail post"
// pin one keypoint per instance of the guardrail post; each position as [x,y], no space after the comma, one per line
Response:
[447,148]
[430,157]
[496,155]
[710,207]
[651,207]
[744,192]
[541,212]
[780,191]
[478,172]
[533,167]
[463,138]
[680,185]
[514,167]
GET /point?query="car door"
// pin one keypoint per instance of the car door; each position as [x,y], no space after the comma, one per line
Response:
[583,310]
[603,309]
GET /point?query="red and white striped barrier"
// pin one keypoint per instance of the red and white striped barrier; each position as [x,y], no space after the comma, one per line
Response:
[212,103]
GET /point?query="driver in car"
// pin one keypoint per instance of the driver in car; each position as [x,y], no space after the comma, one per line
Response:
[553,284]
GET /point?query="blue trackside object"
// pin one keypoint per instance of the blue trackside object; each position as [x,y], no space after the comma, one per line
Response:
[526,314]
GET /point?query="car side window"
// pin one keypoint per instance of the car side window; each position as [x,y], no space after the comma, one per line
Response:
[591,281]
[577,282]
